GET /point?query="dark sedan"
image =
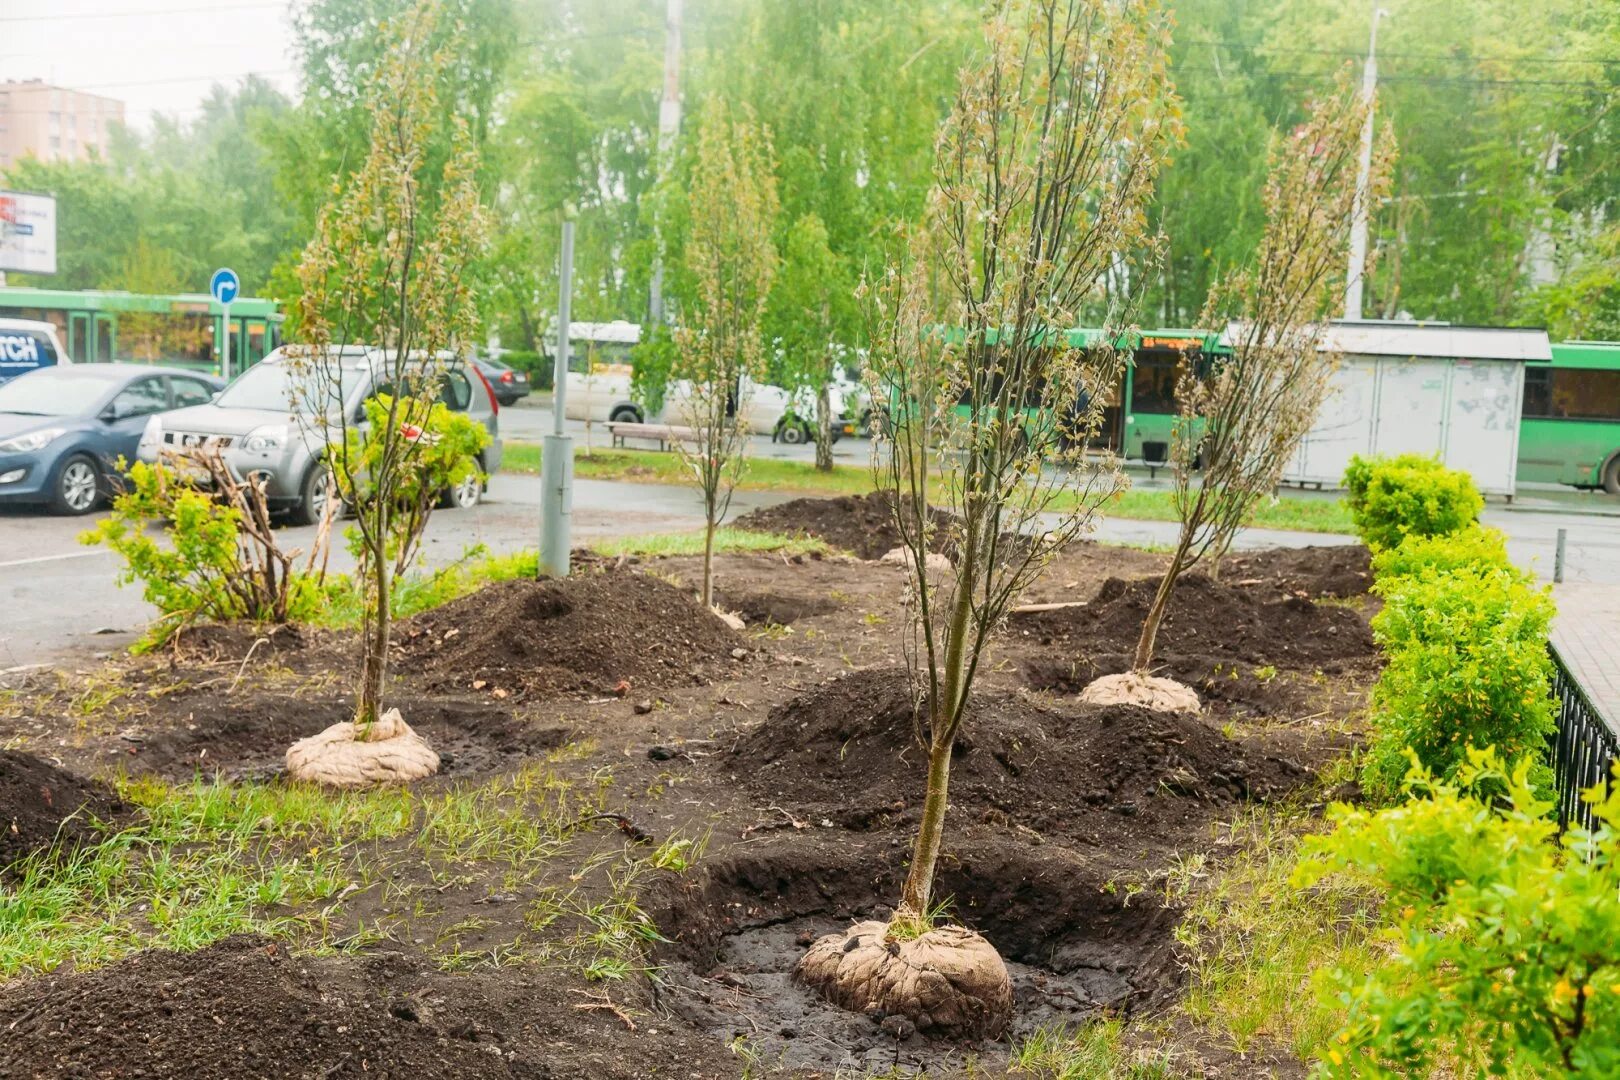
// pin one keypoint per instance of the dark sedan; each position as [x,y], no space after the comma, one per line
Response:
[508,383]
[64,429]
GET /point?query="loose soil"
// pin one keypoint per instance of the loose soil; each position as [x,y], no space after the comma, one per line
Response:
[1073,946]
[1103,776]
[1210,619]
[245,1008]
[1334,570]
[603,633]
[42,805]
[862,524]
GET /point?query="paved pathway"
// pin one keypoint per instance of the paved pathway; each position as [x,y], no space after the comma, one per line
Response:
[1586,632]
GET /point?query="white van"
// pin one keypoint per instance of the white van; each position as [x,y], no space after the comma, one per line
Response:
[26,346]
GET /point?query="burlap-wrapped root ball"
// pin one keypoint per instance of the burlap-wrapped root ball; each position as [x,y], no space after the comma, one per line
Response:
[390,752]
[1148,691]
[949,982]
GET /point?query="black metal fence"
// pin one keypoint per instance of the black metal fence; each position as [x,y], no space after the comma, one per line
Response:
[1585,747]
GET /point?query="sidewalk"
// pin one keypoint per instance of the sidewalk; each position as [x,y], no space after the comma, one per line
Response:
[1586,632]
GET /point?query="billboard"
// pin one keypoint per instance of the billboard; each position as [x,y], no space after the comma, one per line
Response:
[27,233]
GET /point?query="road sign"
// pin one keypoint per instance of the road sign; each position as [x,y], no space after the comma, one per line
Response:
[27,233]
[224,285]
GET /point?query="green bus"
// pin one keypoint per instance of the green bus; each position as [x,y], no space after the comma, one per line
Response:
[1569,430]
[184,330]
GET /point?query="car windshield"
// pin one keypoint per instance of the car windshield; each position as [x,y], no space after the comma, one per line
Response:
[54,392]
[278,388]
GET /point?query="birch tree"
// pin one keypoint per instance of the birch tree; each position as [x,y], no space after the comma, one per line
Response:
[1042,173]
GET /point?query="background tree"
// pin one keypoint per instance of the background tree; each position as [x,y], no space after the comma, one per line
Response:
[388,266]
[811,313]
[719,341]
[1042,174]
[1241,421]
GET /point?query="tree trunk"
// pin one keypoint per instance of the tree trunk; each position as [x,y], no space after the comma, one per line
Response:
[708,560]
[1155,616]
[824,460]
[375,666]
[919,887]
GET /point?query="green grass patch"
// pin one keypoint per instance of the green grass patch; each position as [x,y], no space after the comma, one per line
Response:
[727,541]
[1294,511]
[1094,1050]
[210,859]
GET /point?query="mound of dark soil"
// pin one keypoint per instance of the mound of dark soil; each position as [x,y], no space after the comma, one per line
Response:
[739,923]
[780,607]
[849,751]
[243,1008]
[247,734]
[1341,570]
[586,633]
[863,524]
[1208,619]
[41,805]
[231,641]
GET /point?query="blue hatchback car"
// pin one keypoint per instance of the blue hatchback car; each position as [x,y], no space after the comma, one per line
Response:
[64,429]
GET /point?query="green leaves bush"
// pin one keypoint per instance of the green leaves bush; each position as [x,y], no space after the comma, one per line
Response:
[220,560]
[1472,546]
[1410,495]
[1504,939]
[1467,665]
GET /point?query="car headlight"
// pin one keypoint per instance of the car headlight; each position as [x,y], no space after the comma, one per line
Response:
[34,440]
[266,438]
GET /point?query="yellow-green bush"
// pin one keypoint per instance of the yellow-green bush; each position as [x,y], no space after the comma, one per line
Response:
[1410,495]
[1467,666]
[1475,545]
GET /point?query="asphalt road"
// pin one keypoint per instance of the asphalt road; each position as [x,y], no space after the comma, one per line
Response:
[59,599]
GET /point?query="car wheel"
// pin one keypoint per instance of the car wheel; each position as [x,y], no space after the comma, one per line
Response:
[312,495]
[78,486]
[1611,476]
[625,414]
[468,493]
[793,432]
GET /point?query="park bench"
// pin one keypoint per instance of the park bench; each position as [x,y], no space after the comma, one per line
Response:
[662,434]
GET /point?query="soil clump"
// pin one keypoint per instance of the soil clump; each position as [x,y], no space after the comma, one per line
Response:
[602,633]
[850,752]
[42,805]
[1337,570]
[1207,618]
[862,524]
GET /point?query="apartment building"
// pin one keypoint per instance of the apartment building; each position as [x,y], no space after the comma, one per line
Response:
[52,123]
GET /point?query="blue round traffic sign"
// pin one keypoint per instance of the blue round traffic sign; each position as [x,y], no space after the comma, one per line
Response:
[224,285]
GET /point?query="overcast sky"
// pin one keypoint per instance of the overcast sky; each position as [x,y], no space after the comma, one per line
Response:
[154,55]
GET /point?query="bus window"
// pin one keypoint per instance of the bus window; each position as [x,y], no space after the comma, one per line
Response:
[255,340]
[1571,394]
[1153,382]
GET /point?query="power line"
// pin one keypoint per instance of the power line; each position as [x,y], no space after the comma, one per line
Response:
[212,9]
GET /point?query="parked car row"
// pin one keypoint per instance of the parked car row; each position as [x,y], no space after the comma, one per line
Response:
[67,430]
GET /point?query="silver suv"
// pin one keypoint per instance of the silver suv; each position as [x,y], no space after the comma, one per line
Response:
[264,426]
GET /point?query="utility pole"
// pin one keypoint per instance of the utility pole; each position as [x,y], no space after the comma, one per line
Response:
[669,124]
[557,450]
[1359,210]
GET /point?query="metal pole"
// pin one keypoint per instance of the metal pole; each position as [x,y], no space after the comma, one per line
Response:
[557,450]
[1359,209]
[669,123]
[1558,560]
[225,349]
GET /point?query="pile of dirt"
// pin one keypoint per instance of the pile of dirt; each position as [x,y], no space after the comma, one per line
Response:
[863,524]
[591,633]
[739,923]
[246,735]
[1341,570]
[42,805]
[244,1008]
[760,606]
[1209,619]
[849,751]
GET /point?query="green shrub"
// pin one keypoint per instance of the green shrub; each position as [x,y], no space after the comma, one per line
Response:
[218,559]
[1473,546]
[1467,665]
[537,366]
[1410,495]
[1503,940]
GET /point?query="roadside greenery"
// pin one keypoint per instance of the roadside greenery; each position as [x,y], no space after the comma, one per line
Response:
[1500,934]
[1392,498]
